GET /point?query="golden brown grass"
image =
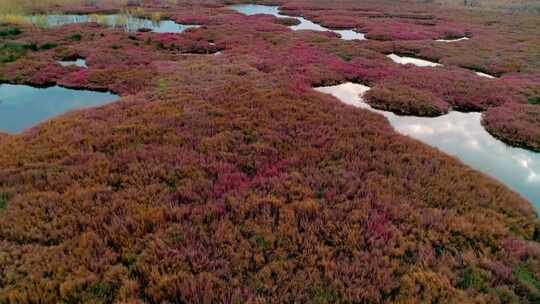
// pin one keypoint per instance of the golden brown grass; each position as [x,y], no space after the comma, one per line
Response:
[531,6]
[13,19]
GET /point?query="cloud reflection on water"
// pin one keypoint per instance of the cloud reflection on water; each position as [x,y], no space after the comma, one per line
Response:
[461,135]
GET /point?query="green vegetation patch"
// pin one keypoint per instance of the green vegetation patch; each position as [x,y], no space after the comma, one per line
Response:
[75,37]
[48,46]
[102,291]
[527,279]
[472,278]
[324,294]
[506,295]
[11,51]
[536,234]
[3,201]
[535,100]
[9,31]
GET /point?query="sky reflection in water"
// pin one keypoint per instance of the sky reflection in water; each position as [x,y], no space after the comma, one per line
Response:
[24,106]
[77,62]
[127,22]
[461,135]
[253,9]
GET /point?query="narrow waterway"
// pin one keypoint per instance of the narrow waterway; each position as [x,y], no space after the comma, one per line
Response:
[305,24]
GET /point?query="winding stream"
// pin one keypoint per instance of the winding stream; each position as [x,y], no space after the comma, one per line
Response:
[23,106]
[461,135]
[305,24]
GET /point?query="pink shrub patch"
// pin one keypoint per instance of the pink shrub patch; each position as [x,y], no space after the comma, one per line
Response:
[405,100]
[516,124]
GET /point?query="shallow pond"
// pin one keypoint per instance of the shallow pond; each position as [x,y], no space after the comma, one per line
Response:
[127,22]
[461,135]
[78,62]
[253,9]
[23,106]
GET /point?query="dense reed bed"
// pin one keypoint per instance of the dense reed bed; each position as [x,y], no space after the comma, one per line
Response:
[223,177]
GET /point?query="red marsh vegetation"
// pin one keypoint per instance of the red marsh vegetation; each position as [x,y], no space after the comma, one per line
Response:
[405,100]
[226,178]
[516,124]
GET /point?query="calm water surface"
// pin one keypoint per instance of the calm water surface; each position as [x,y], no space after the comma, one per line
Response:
[78,62]
[127,22]
[452,40]
[425,63]
[24,106]
[411,60]
[461,135]
[485,75]
[253,9]
[305,24]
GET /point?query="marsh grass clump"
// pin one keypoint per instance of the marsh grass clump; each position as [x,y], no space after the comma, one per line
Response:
[528,282]
[75,37]
[14,19]
[474,278]
[11,51]
[162,86]
[9,31]
[534,100]
[287,21]
[48,46]
[3,201]
[156,16]
[404,100]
